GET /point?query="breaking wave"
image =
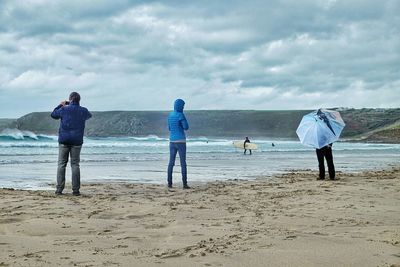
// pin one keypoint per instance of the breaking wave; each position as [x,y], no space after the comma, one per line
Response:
[16,134]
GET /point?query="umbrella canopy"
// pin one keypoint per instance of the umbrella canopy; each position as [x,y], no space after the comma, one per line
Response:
[320,128]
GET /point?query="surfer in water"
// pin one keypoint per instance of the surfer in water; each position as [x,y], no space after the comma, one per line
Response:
[244,145]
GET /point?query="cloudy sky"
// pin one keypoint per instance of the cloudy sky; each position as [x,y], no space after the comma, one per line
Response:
[141,55]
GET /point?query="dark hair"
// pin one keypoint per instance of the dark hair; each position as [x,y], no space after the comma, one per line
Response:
[74,97]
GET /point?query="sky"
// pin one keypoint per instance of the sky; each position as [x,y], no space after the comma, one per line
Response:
[142,55]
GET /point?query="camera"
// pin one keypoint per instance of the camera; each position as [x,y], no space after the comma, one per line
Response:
[66,102]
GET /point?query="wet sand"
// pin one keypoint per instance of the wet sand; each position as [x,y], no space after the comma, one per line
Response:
[289,220]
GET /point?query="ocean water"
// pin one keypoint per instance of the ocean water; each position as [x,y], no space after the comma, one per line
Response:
[29,160]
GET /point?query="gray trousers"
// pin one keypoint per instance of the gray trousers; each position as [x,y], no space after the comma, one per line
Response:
[64,151]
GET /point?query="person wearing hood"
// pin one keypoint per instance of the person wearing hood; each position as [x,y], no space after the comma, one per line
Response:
[177,125]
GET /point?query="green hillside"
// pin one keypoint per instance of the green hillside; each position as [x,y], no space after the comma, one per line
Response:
[390,134]
[368,124]
[202,123]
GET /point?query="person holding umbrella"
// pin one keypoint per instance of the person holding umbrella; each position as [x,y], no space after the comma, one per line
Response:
[325,152]
[319,129]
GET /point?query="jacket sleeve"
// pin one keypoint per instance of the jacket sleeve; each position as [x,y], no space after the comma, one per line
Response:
[56,114]
[184,123]
[88,115]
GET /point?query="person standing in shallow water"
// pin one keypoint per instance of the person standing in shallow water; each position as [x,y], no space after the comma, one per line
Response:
[325,152]
[177,125]
[244,145]
[70,138]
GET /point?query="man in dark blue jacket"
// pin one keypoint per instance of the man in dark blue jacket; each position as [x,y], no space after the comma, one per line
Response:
[177,125]
[70,138]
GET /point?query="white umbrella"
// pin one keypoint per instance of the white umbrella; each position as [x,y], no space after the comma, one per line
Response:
[320,128]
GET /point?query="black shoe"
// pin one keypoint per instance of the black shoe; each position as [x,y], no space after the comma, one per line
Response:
[186,187]
[170,186]
[320,179]
[76,193]
[58,193]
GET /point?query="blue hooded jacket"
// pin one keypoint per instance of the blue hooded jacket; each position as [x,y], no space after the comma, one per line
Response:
[72,126]
[177,123]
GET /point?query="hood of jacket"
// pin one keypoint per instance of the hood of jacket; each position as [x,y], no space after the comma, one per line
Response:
[179,105]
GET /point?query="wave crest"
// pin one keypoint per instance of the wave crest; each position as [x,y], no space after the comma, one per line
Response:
[16,134]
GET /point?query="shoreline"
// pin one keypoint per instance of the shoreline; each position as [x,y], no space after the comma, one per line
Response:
[287,220]
[195,184]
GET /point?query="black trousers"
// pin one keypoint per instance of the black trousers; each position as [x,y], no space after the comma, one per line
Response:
[325,152]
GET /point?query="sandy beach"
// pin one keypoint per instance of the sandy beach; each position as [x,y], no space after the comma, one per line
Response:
[290,220]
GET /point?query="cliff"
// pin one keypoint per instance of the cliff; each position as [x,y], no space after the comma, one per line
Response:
[364,124]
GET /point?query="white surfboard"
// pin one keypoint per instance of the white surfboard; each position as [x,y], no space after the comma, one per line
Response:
[240,144]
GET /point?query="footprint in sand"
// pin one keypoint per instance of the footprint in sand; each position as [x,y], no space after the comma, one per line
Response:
[10,220]
[156,226]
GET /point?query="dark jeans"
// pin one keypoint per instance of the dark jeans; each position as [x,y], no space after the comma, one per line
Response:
[64,151]
[181,149]
[325,152]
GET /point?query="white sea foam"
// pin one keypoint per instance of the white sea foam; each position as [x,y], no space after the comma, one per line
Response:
[16,134]
[29,162]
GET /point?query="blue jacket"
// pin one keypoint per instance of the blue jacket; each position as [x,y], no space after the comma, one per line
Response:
[72,126]
[177,123]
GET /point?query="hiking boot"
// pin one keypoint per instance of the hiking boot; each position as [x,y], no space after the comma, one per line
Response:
[76,193]
[170,186]
[186,187]
[58,193]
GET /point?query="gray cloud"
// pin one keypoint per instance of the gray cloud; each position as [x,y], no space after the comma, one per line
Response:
[137,55]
